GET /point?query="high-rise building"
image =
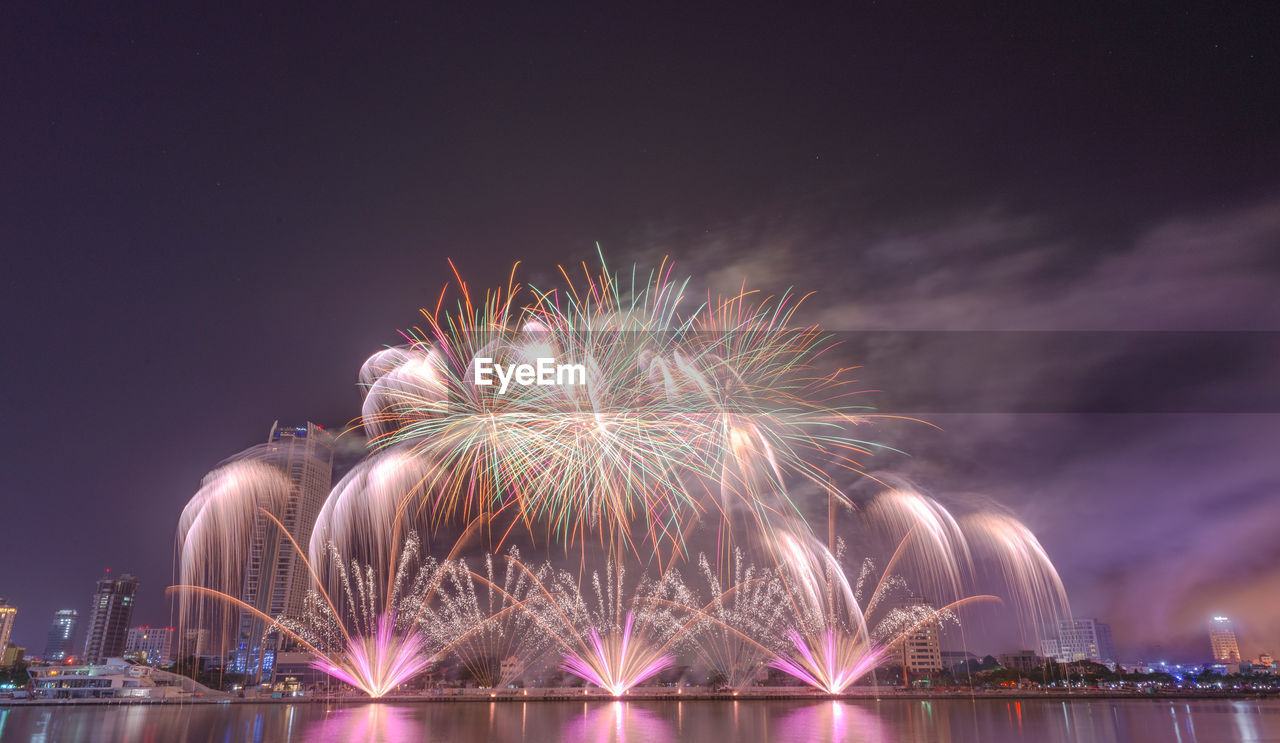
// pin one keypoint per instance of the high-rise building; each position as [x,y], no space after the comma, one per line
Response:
[1223,642]
[61,633]
[920,652]
[109,617]
[150,645]
[7,616]
[276,578]
[1081,639]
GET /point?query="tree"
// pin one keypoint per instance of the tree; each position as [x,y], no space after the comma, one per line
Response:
[1207,676]
[15,674]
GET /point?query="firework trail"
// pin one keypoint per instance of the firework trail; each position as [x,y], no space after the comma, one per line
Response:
[370,513]
[617,641]
[841,631]
[738,630]
[365,637]
[1029,577]
[678,413]
[493,629]
[227,510]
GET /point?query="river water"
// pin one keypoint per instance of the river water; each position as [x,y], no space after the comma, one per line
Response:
[747,721]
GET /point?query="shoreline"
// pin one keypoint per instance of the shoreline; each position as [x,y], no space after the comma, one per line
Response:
[657,696]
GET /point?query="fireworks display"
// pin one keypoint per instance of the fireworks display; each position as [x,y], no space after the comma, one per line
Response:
[736,632]
[678,415]
[491,621]
[622,640]
[680,423]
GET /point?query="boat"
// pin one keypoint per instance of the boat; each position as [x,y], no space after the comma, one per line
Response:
[115,678]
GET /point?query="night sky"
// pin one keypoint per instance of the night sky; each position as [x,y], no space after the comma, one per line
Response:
[209,217]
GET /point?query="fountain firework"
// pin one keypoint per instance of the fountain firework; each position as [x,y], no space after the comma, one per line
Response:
[842,631]
[492,630]
[682,419]
[616,641]
[738,630]
[370,642]
[364,597]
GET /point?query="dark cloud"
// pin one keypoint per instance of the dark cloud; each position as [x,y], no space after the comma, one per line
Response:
[1120,401]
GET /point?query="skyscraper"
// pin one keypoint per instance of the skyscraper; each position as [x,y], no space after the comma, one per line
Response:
[1081,639]
[1223,642]
[61,632]
[276,579]
[109,617]
[7,615]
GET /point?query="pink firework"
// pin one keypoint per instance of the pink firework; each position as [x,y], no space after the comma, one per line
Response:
[379,663]
[832,662]
[618,663]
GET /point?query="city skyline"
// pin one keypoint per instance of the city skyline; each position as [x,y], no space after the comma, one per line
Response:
[1069,644]
[278,602]
[296,450]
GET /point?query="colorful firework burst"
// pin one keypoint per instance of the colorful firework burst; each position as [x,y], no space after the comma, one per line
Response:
[677,413]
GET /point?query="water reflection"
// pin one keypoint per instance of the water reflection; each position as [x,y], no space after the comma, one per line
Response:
[950,720]
[835,721]
[617,722]
[371,723]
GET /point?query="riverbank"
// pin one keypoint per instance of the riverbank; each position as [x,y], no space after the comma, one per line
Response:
[665,695]
[903,719]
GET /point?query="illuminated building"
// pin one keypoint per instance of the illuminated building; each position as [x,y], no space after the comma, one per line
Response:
[1081,639]
[1223,642]
[7,615]
[920,651]
[150,645]
[61,633]
[109,617]
[276,579]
